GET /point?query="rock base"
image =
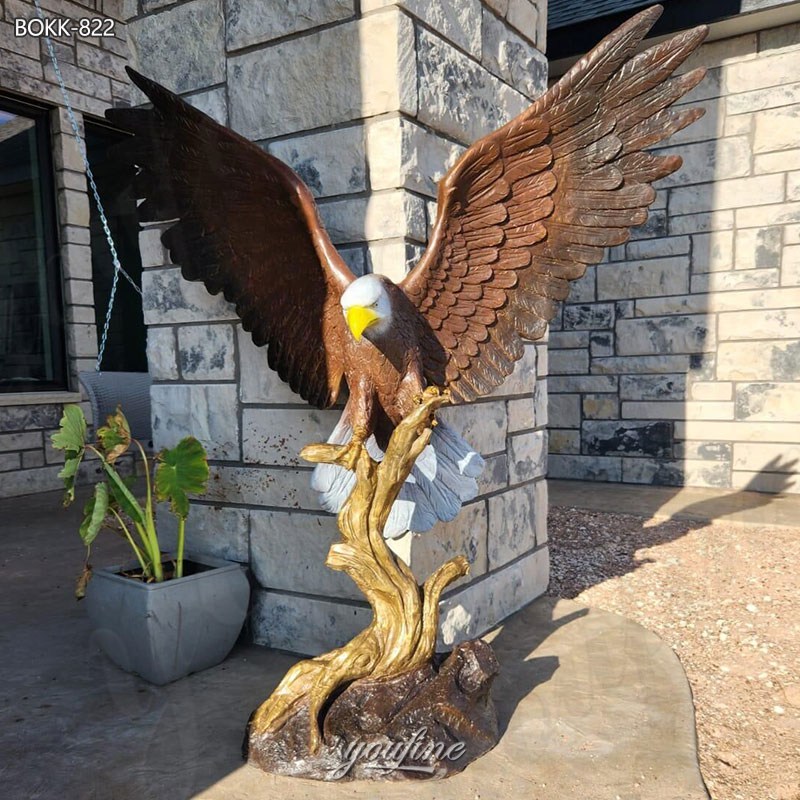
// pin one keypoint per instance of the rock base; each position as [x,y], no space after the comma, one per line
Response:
[428,723]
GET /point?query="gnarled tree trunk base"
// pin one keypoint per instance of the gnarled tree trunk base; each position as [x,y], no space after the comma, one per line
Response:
[427,723]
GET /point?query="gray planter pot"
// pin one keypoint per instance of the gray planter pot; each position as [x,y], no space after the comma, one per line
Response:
[164,631]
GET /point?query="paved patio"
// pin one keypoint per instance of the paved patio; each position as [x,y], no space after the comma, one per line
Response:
[592,705]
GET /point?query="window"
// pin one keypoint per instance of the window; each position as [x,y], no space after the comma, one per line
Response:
[31,321]
[126,349]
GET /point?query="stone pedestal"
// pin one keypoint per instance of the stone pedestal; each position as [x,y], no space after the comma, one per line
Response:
[370,103]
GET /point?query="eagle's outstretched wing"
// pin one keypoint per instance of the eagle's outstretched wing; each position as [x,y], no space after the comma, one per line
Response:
[527,208]
[246,226]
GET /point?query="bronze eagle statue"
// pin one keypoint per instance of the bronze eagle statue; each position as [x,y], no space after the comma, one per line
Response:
[522,213]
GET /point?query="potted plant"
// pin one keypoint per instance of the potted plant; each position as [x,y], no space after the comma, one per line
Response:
[163,615]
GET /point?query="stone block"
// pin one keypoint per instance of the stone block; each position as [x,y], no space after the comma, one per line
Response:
[766,71]
[773,402]
[700,223]
[777,162]
[15,419]
[639,364]
[206,352]
[20,441]
[404,154]
[18,482]
[521,414]
[527,456]
[658,248]
[758,248]
[585,468]
[760,190]
[564,441]
[763,216]
[459,97]
[495,474]
[657,224]
[251,22]
[31,459]
[73,208]
[584,289]
[483,425]
[712,252]
[206,411]
[513,58]
[540,401]
[593,316]
[162,354]
[466,535]
[79,293]
[306,625]
[771,482]
[569,339]
[663,335]
[777,129]
[82,340]
[275,436]
[741,431]
[386,215]
[781,323]
[732,281]
[152,251]
[677,473]
[765,360]
[524,16]
[790,268]
[600,406]
[766,457]
[560,384]
[276,487]
[214,531]
[671,410]
[214,102]
[76,259]
[288,551]
[628,436]
[569,362]
[168,298]
[199,62]
[703,162]
[704,451]
[481,605]
[257,382]
[761,99]
[9,461]
[330,163]
[601,344]
[511,525]
[459,22]
[565,410]
[715,391]
[525,375]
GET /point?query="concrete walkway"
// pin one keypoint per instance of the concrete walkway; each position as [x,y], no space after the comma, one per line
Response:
[748,508]
[593,707]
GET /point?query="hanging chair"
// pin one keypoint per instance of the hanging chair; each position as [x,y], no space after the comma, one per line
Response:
[130,390]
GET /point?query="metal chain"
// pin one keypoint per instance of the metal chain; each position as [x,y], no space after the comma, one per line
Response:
[96,194]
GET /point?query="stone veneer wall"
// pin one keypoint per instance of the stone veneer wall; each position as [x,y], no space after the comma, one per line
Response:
[370,103]
[677,361]
[93,70]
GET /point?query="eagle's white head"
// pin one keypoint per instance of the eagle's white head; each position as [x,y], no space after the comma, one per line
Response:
[367,307]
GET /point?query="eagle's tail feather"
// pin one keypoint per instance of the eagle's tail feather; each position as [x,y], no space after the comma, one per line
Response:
[442,479]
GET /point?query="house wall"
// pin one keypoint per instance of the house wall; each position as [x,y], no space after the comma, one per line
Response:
[93,73]
[370,103]
[677,361]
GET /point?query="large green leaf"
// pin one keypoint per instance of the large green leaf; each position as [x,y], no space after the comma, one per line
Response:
[115,436]
[123,495]
[182,471]
[94,513]
[71,437]
[71,434]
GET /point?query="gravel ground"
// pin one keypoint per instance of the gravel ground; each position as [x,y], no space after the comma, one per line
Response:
[725,597]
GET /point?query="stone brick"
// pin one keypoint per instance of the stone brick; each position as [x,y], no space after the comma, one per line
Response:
[583,290]
[381,216]
[569,339]
[760,99]
[210,530]
[76,259]
[307,625]
[658,248]
[730,281]
[712,252]
[524,16]
[206,352]
[773,324]
[628,436]
[600,406]
[772,482]
[9,461]
[527,456]
[758,248]
[790,272]
[330,163]
[20,441]
[162,358]
[288,551]
[274,436]
[569,362]
[457,96]
[589,317]
[526,373]
[777,70]
[73,208]
[168,298]
[686,334]
[704,451]
[152,251]
[564,441]
[672,410]
[495,474]
[31,458]
[257,382]
[214,102]
[206,411]
[777,129]
[707,390]
[199,62]
[738,431]
[601,344]
[677,473]
[777,162]
[585,468]
[252,22]
[653,277]
[773,402]
[582,383]
[764,457]
[565,410]
[483,425]
[765,360]
[700,223]
[276,487]
[540,402]
[511,525]
[14,419]
[763,216]
[476,608]
[760,190]
[704,162]
[521,414]
[511,57]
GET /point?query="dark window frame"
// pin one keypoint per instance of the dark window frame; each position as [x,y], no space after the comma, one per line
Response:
[42,115]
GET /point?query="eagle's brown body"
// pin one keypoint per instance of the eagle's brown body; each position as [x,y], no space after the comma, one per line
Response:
[524,212]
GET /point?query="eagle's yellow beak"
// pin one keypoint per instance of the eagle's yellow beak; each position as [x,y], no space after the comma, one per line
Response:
[359,319]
